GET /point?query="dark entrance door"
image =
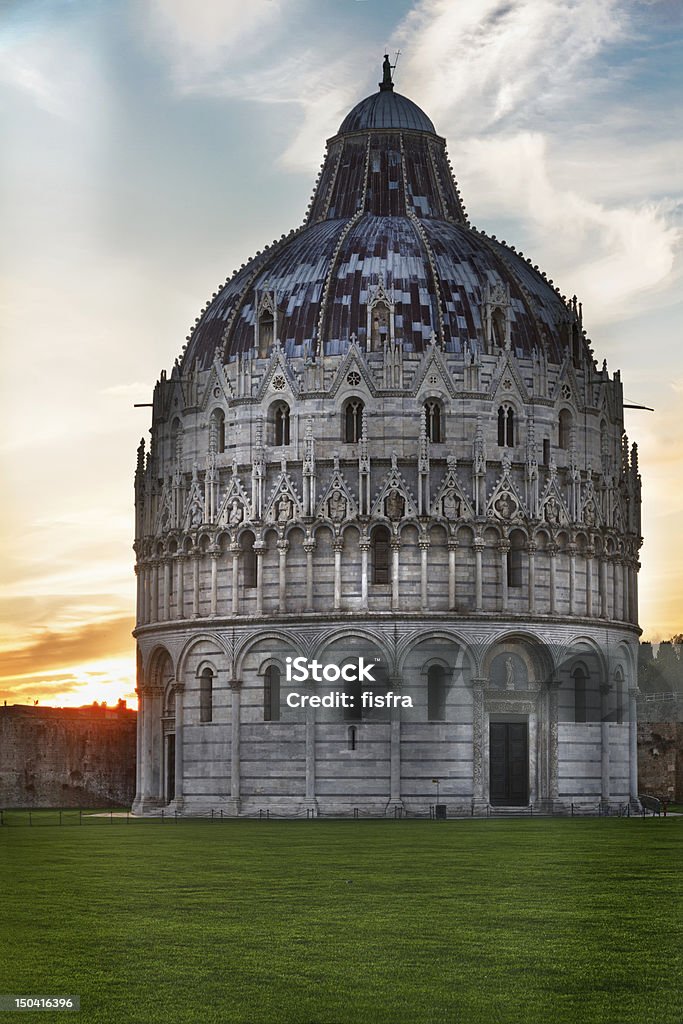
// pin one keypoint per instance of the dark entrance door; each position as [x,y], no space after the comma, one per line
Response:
[509,763]
[170,767]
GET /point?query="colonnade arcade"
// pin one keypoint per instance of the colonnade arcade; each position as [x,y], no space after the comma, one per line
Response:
[218,685]
[483,568]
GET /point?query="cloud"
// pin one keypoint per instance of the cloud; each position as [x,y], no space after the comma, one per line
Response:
[51,649]
[478,62]
[587,247]
[201,40]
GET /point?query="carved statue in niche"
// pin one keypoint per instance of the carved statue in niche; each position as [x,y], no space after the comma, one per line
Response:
[196,516]
[336,506]
[589,514]
[509,672]
[236,514]
[504,506]
[451,505]
[284,509]
[394,505]
[551,512]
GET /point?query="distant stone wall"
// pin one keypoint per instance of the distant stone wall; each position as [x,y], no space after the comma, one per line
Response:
[660,759]
[67,757]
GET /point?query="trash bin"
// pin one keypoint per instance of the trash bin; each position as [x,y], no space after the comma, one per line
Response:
[440,812]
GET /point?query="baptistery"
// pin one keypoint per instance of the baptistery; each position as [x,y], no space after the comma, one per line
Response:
[388,520]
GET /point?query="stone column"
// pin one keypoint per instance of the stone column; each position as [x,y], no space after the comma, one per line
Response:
[214,581]
[282,549]
[259,549]
[553,742]
[139,750]
[552,553]
[178,691]
[624,591]
[571,548]
[167,588]
[195,583]
[504,547]
[603,587]
[180,596]
[478,587]
[615,588]
[452,548]
[395,752]
[146,747]
[310,758]
[633,744]
[235,599]
[364,548]
[424,549]
[235,711]
[634,591]
[590,552]
[338,546]
[155,591]
[604,744]
[480,794]
[531,552]
[395,546]
[138,596]
[309,548]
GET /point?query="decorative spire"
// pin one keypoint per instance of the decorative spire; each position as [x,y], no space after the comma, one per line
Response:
[386,85]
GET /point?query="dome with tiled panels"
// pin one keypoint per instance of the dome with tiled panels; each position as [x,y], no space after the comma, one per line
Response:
[386,109]
[385,208]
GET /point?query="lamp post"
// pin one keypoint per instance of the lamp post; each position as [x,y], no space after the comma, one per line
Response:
[437,783]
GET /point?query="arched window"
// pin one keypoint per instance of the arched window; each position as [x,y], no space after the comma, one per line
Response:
[218,418]
[498,324]
[379,325]
[515,559]
[266,324]
[506,427]
[352,738]
[249,560]
[565,429]
[546,451]
[579,677]
[432,415]
[206,696]
[436,693]
[381,555]
[280,416]
[353,420]
[271,694]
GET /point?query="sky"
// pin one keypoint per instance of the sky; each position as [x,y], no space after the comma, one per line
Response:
[153,146]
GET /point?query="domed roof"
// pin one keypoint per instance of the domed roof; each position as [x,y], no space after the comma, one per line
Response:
[386,215]
[386,109]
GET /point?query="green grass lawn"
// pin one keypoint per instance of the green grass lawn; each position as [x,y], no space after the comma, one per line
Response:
[346,922]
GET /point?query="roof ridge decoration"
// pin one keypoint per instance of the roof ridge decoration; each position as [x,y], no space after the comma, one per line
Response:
[319,344]
[415,221]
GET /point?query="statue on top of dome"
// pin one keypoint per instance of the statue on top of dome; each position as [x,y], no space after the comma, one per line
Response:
[386,83]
